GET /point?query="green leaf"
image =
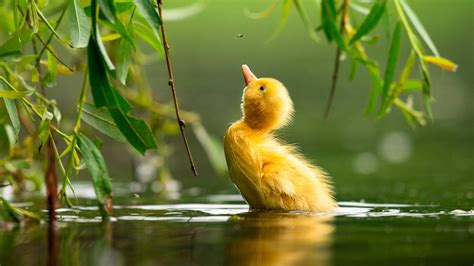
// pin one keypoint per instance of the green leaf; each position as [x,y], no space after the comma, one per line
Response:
[354,68]
[14,165]
[7,135]
[57,114]
[144,31]
[412,85]
[101,120]
[135,130]
[374,74]
[391,64]
[108,9]
[329,24]
[419,27]
[370,21]
[100,176]
[12,47]
[34,20]
[12,213]
[45,21]
[149,12]
[14,94]
[264,13]
[8,213]
[50,77]
[124,57]
[118,27]
[409,113]
[401,84]
[97,38]
[122,7]
[359,8]
[43,131]
[79,25]
[306,21]
[12,113]
[328,15]
[285,11]
[427,105]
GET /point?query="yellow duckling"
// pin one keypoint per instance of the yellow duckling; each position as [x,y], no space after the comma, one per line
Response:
[269,174]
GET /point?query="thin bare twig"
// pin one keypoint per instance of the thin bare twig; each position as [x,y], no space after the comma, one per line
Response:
[344,18]
[53,54]
[181,122]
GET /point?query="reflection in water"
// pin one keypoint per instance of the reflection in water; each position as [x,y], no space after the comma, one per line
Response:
[225,234]
[103,253]
[271,238]
[53,243]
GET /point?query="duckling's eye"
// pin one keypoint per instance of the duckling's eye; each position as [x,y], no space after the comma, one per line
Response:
[261,88]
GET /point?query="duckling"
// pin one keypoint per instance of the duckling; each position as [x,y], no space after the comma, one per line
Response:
[269,174]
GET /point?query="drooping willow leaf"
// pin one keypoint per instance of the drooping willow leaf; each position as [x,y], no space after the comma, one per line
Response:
[135,130]
[149,12]
[79,25]
[97,38]
[101,120]
[419,27]
[306,21]
[391,64]
[12,112]
[143,30]
[329,24]
[100,176]
[370,21]
[124,56]
[328,14]
[51,73]
[441,62]
[108,9]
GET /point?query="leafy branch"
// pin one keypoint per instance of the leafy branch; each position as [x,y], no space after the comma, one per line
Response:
[386,90]
[109,32]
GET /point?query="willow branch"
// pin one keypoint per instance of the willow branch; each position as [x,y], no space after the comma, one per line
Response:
[171,83]
[51,176]
[46,44]
[50,38]
[344,18]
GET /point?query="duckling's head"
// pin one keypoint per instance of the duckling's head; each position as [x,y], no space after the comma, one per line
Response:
[266,104]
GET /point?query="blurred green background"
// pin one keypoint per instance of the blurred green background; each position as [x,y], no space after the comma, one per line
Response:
[378,161]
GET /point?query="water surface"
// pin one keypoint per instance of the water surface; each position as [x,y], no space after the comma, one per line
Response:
[221,231]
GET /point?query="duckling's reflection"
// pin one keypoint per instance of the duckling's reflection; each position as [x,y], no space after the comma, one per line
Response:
[275,238]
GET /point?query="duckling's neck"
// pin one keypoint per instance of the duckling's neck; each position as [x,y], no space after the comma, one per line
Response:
[252,129]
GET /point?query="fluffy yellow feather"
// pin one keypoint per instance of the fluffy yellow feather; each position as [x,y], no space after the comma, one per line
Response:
[269,174]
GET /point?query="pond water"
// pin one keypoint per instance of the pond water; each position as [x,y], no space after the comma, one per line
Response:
[219,230]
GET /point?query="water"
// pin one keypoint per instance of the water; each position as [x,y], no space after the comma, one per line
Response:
[221,231]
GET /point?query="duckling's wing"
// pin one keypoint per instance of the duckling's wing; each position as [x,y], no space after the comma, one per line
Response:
[244,166]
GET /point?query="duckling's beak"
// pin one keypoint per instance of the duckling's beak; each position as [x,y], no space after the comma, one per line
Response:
[248,75]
